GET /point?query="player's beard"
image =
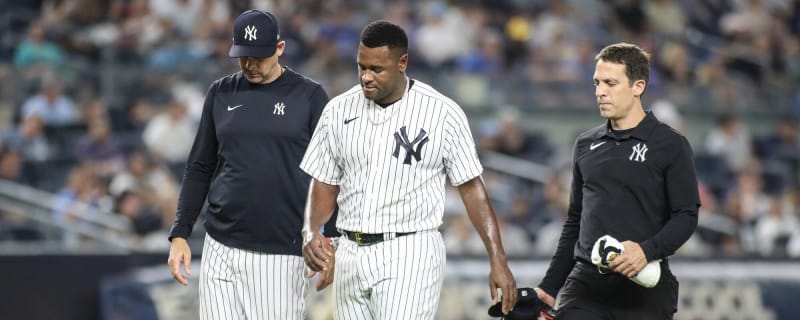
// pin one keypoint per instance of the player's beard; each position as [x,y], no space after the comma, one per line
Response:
[373,92]
[380,93]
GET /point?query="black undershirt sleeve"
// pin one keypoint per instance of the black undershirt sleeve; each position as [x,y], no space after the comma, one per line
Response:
[684,201]
[200,168]
[564,259]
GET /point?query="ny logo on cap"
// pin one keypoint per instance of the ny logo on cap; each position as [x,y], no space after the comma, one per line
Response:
[250,33]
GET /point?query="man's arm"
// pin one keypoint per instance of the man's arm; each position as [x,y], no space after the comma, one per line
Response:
[200,168]
[320,163]
[683,200]
[483,219]
[564,259]
[317,253]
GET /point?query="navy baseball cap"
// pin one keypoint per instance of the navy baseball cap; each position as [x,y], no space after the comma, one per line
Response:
[255,34]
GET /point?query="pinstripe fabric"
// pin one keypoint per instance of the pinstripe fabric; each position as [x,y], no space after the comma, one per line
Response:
[395,279]
[381,187]
[243,284]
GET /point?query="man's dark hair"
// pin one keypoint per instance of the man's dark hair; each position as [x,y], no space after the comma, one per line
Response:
[636,60]
[384,33]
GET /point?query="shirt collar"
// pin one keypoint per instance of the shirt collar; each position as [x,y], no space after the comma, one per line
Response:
[642,130]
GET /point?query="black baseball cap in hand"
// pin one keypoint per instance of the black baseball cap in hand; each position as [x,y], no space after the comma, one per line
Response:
[255,34]
[528,306]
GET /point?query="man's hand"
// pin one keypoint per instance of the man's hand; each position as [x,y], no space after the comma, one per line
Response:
[317,253]
[325,277]
[179,252]
[500,277]
[545,297]
[631,261]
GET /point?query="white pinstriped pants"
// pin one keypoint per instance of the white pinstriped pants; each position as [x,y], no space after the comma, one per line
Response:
[395,279]
[242,284]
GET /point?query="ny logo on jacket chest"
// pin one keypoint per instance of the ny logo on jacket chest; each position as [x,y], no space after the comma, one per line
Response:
[413,148]
[639,151]
[278,110]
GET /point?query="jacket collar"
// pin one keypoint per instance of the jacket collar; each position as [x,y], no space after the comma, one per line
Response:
[642,131]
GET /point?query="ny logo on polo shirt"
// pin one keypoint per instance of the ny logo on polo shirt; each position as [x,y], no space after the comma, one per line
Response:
[279,109]
[413,148]
[250,33]
[639,150]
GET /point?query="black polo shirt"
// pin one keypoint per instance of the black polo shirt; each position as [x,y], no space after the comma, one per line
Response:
[245,162]
[637,185]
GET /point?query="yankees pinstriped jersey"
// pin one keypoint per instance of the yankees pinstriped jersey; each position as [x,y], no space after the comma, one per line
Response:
[390,163]
[249,143]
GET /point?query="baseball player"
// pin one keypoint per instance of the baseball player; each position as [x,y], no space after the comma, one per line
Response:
[384,149]
[255,127]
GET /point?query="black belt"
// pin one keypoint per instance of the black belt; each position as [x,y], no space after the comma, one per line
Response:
[368,239]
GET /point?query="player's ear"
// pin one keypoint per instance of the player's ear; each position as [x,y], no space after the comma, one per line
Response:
[402,63]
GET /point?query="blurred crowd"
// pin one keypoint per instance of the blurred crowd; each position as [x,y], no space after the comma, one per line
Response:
[101,99]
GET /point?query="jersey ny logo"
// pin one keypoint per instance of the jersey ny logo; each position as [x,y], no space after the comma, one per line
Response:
[639,150]
[278,109]
[413,148]
[250,33]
